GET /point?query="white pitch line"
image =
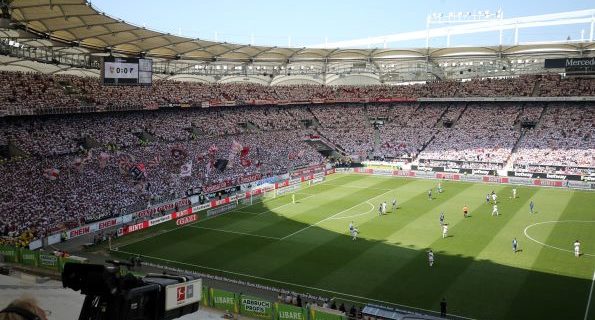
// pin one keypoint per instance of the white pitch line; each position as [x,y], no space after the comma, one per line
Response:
[270,210]
[356,187]
[219,215]
[550,246]
[334,215]
[237,232]
[248,212]
[357,215]
[285,283]
[590,295]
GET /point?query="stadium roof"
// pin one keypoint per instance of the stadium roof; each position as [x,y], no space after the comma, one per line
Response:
[78,24]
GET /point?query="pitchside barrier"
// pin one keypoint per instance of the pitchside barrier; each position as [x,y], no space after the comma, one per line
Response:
[260,308]
[264,308]
[36,258]
[474,176]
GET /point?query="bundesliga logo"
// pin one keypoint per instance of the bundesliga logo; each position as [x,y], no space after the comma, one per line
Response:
[184,293]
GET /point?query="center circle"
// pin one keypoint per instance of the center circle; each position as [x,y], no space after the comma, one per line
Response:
[554,246]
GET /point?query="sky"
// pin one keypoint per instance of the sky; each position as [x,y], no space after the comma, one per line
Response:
[310,22]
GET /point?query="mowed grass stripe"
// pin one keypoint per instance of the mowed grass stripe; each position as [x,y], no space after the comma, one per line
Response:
[277,224]
[467,267]
[343,251]
[261,260]
[205,243]
[226,248]
[430,283]
[255,255]
[381,252]
[559,281]
[416,231]
[477,275]
[260,207]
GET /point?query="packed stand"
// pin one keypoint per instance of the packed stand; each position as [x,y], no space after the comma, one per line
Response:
[562,142]
[482,138]
[348,127]
[409,129]
[72,165]
[35,93]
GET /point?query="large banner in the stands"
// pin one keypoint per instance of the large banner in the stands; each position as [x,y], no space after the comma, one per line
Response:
[553,176]
[289,312]
[162,208]
[231,182]
[256,307]
[307,171]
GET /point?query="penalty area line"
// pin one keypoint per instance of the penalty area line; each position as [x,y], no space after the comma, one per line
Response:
[334,215]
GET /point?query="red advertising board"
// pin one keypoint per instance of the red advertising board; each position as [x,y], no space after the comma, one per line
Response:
[133,228]
[215,203]
[108,223]
[187,219]
[449,176]
[79,232]
[182,213]
[402,173]
[282,184]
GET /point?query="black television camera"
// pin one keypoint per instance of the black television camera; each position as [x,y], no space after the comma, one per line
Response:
[111,296]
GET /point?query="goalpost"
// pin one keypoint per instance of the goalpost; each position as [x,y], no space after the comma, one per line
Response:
[274,193]
[285,190]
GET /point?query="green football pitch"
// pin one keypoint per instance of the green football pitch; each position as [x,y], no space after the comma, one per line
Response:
[306,246]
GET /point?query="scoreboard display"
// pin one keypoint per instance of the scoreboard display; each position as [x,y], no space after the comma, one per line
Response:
[126,71]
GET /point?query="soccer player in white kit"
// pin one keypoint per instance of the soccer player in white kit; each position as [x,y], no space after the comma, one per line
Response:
[577,248]
[514,193]
[495,210]
[494,197]
[444,230]
[430,257]
[354,233]
[384,207]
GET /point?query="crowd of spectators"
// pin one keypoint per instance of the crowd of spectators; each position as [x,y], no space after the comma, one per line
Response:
[482,134]
[72,168]
[65,167]
[35,93]
[562,142]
